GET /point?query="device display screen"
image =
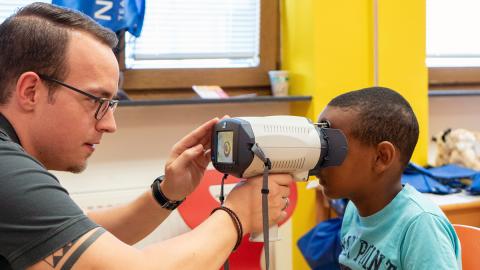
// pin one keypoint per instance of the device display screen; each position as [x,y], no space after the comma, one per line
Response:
[225,146]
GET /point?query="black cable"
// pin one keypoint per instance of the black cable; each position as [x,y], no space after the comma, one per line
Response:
[222,196]
[226,265]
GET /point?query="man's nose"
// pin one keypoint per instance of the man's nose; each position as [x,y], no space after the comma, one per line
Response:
[107,123]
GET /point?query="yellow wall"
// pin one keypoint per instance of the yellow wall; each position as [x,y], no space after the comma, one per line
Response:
[328,48]
[402,60]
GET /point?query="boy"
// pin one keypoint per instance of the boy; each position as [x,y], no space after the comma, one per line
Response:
[386,225]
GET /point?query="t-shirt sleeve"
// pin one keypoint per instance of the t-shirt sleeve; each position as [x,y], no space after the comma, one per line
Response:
[430,243]
[37,215]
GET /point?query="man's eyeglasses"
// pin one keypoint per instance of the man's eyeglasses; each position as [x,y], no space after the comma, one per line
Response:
[103,103]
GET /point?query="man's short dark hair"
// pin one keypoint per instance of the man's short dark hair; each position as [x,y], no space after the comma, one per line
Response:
[382,115]
[36,38]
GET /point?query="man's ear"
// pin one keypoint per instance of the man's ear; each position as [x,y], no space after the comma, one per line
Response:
[386,154]
[27,90]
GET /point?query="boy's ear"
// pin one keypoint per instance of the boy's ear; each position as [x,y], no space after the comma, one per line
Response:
[27,90]
[386,154]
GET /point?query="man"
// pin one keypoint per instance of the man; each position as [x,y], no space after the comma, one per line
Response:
[57,77]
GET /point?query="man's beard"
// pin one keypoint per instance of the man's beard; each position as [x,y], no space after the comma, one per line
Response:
[77,168]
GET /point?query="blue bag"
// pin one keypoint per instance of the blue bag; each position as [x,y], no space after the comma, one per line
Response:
[422,180]
[474,188]
[339,206]
[441,180]
[451,175]
[116,15]
[321,246]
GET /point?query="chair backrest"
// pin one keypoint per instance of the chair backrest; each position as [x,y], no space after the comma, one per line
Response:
[470,240]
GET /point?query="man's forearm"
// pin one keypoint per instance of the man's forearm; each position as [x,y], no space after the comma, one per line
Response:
[134,221]
[205,247]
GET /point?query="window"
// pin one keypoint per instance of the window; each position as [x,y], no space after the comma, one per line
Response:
[8,7]
[231,43]
[453,47]
[197,34]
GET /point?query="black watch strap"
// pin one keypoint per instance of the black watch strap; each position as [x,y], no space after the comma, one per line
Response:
[162,200]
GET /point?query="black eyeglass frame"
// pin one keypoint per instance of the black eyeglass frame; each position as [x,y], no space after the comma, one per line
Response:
[112,103]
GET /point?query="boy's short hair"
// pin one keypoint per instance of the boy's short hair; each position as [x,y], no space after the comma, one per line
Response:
[383,115]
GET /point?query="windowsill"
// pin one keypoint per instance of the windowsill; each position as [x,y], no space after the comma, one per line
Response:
[192,101]
[455,92]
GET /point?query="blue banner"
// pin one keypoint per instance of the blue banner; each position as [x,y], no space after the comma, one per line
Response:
[113,14]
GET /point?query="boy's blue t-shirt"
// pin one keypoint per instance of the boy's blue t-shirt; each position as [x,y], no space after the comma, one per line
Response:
[411,232]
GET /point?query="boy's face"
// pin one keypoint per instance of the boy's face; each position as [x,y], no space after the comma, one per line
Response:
[352,176]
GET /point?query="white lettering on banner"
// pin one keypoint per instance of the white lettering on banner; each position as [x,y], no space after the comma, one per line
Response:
[100,13]
[121,10]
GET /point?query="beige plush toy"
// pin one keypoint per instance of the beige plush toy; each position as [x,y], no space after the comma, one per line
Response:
[458,146]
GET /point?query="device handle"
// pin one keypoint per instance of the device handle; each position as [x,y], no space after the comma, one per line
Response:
[272,231]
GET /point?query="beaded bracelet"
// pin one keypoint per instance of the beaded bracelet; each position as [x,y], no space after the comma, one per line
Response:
[236,222]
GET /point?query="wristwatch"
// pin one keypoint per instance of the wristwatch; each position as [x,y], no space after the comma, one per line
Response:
[162,200]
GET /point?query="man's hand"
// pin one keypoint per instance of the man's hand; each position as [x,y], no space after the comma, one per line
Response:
[187,162]
[246,200]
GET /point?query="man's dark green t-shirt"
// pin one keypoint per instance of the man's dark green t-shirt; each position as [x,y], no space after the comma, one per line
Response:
[37,215]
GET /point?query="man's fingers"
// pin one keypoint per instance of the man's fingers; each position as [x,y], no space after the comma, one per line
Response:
[206,154]
[282,179]
[186,157]
[282,216]
[201,135]
[284,191]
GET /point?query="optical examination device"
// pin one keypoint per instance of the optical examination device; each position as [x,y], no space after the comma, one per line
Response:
[249,146]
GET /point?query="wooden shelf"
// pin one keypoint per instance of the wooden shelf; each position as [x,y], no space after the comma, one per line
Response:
[257,99]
